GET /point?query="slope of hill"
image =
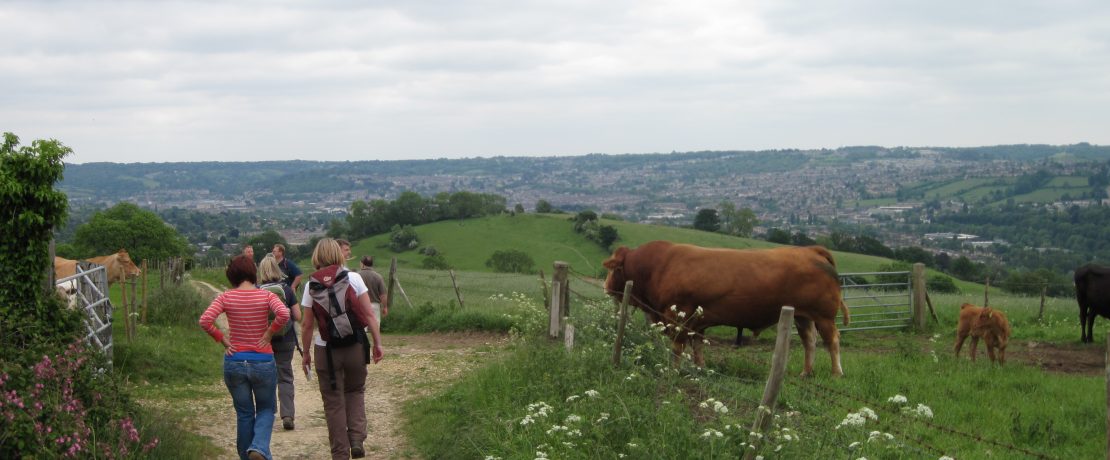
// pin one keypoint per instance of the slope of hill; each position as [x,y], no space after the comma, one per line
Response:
[467,244]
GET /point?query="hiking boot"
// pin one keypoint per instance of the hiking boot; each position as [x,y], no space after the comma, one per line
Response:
[357,451]
[255,455]
[287,423]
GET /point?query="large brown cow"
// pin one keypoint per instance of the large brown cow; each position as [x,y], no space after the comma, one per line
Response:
[739,288]
[119,266]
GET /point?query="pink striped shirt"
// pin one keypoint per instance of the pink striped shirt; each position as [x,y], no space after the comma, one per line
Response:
[247,316]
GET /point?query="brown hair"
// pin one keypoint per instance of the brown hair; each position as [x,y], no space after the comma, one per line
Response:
[367,261]
[327,253]
[280,246]
[240,269]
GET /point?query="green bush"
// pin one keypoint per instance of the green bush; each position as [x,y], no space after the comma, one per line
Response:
[942,284]
[435,262]
[66,405]
[176,305]
[511,261]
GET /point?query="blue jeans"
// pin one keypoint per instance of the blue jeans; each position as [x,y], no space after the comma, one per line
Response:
[253,388]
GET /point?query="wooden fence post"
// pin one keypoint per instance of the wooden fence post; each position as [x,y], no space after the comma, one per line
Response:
[1044,290]
[917,282]
[144,290]
[568,337]
[392,278]
[765,413]
[621,323]
[543,287]
[558,307]
[458,295]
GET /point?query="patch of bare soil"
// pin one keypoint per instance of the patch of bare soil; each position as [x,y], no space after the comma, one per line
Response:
[413,366]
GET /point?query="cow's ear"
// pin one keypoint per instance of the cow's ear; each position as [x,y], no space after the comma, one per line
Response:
[617,260]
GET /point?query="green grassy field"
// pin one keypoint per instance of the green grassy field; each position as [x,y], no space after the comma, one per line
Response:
[644,409]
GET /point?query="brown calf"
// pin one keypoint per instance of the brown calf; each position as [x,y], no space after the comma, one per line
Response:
[986,323]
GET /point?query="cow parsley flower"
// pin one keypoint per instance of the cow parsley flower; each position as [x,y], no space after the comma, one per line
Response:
[592,393]
[720,408]
[681,314]
[571,398]
[946,458]
[922,411]
[674,307]
[853,419]
[867,412]
[699,311]
[604,416]
[897,399]
[854,445]
[573,419]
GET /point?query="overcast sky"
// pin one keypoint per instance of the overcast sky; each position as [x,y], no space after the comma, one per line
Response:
[152,81]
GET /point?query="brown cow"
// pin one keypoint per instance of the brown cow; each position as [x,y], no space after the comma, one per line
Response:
[739,288]
[986,323]
[119,266]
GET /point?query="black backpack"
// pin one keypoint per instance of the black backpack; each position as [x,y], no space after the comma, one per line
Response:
[333,307]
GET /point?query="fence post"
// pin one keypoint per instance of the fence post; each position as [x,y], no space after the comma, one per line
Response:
[558,307]
[392,278]
[621,322]
[1044,290]
[543,287]
[144,290]
[765,413]
[458,295]
[568,337]
[918,285]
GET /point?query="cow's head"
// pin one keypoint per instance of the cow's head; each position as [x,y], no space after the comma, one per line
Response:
[124,260]
[614,282]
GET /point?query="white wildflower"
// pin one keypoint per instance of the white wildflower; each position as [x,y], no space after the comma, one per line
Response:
[592,393]
[674,307]
[705,341]
[681,314]
[778,447]
[699,311]
[853,419]
[720,408]
[854,445]
[867,412]
[946,458]
[526,420]
[923,411]
[573,419]
[703,405]
[571,398]
[897,399]
[604,416]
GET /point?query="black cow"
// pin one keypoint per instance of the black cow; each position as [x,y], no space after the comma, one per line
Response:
[1092,291]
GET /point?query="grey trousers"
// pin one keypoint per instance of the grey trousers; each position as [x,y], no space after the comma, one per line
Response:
[284,360]
[345,406]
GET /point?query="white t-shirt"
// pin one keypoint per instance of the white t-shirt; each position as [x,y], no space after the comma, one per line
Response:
[306,300]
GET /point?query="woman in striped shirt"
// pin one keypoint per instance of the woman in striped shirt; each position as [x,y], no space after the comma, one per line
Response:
[249,370]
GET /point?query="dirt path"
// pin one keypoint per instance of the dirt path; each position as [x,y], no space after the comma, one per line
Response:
[414,365]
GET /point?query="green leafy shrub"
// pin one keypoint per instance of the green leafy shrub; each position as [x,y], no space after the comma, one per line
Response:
[430,318]
[176,305]
[435,262]
[942,284]
[511,261]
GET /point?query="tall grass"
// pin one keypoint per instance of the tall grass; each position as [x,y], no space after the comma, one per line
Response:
[537,401]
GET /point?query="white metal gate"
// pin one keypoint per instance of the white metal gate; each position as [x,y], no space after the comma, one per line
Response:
[91,297]
[876,301]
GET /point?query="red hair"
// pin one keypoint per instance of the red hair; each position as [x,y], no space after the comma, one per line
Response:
[240,269]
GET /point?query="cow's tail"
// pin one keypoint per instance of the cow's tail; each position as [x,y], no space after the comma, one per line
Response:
[844,309]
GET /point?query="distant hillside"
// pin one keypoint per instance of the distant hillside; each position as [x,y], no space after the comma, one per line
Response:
[466,245]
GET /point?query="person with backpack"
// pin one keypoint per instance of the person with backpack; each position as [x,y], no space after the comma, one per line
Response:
[284,342]
[334,337]
[249,370]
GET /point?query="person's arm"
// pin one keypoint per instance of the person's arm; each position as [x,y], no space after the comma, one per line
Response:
[375,333]
[308,327]
[296,281]
[208,323]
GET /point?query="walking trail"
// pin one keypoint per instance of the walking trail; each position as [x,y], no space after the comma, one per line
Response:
[414,366]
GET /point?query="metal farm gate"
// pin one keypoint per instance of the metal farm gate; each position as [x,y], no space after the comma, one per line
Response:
[878,300]
[91,296]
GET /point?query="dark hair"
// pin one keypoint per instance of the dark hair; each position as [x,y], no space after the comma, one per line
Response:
[240,269]
[343,242]
[367,261]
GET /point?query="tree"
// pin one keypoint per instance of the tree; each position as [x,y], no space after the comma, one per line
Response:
[31,209]
[264,242]
[707,220]
[606,235]
[543,207]
[402,238]
[126,226]
[801,239]
[778,235]
[519,208]
[582,218]
[511,261]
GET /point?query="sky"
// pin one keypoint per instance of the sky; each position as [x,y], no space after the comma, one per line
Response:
[171,81]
